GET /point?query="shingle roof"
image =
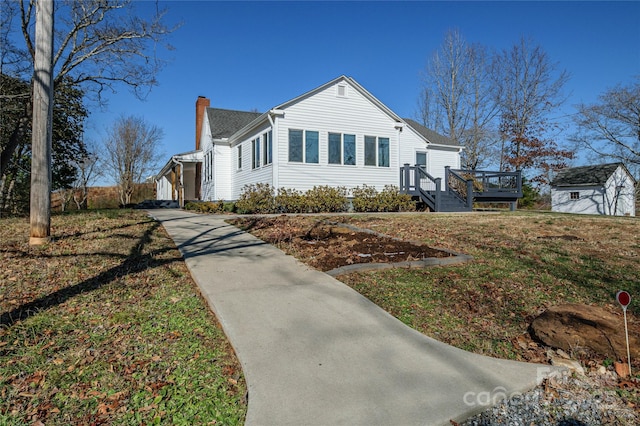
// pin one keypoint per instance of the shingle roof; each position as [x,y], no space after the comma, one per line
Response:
[429,134]
[225,122]
[585,175]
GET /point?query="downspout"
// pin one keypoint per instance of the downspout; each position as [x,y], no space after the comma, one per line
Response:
[398,127]
[275,148]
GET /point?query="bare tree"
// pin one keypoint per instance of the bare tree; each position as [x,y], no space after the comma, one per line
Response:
[528,88]
[429,113]
[610,128]
[448,78]
[87,172]
[479,137]
[132,152]
[98,45]
[456,97]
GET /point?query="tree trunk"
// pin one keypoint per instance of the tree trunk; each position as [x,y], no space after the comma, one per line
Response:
[40,214]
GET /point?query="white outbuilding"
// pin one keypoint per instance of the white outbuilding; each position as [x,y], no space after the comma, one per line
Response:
[605,189]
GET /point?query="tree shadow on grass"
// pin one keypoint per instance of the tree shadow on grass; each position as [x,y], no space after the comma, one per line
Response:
[135,262]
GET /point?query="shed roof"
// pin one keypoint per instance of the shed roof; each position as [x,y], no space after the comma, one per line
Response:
[596,175]
[225,122]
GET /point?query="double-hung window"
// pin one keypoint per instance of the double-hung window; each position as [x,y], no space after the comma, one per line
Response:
[342,149]
[303,146]
[255,153]
[208,162]
[267,148]
[239,157]
[376,151]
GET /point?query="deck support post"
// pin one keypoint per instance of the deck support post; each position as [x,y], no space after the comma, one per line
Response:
[470,194]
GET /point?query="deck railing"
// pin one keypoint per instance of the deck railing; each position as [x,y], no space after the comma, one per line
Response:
[459,185]
[468,186]
[415,180]
[493,186]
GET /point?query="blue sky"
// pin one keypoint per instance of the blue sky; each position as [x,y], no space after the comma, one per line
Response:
[255,55]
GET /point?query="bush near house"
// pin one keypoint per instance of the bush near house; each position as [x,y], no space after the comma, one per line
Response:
[256,198]
[260,198]
[206,206]
[368,199]
[327,199]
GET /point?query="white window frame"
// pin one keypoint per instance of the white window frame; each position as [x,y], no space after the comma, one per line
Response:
[239,157]
[377,150]
[304,146]
[255,153]
[425,158]
[267,148]
[342,142]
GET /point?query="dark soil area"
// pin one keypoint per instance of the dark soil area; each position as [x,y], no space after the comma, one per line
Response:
[327,246]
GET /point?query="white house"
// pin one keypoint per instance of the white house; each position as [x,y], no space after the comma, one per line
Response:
[337,134]
[606,189]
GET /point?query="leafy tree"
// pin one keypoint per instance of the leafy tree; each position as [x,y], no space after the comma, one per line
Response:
[131,153]
[67,146]
[528,88]
[610,128]
[530,195]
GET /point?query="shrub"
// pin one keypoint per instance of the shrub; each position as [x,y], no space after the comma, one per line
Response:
[291,201]
[205,206]
[391,200]
[365,198]
[256,198]
[368,199]
[327,199]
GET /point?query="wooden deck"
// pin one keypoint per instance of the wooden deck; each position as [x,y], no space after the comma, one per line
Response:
[461,188]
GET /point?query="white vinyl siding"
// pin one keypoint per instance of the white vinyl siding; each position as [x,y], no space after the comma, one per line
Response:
[253,145]
[326,113]
[222,173]
[300,156]
[440,157]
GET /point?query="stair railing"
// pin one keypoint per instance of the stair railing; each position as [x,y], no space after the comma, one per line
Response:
[415,180]
[458,186]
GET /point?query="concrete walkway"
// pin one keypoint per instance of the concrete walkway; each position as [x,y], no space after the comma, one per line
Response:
[315,352]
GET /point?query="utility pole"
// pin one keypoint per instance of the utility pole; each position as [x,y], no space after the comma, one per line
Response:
[40,208]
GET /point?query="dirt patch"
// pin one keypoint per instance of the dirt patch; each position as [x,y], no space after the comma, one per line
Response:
[326,245]
[560,237]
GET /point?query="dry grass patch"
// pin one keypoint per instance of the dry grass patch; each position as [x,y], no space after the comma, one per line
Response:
[105,326]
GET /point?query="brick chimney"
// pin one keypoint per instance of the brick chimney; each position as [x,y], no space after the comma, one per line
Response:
[201,105]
